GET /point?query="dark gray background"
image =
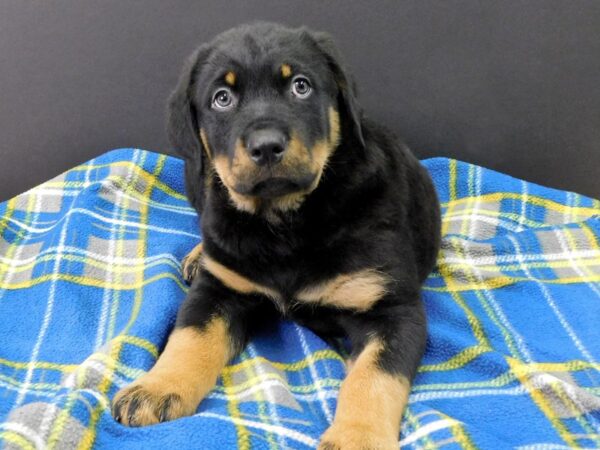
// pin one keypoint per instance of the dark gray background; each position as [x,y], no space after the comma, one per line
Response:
[511,85]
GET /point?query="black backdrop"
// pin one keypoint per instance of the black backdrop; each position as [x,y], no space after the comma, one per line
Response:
[511,85]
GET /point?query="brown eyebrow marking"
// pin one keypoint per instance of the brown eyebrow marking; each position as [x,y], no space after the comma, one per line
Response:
[230,78]
[286,71]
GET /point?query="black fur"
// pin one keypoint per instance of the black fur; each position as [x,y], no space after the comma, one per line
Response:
[374,207]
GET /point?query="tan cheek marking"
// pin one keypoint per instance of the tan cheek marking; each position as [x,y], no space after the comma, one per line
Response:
[286,71]
[298,155]
[204,140]
[242,165]
[235,281]
[370,404]
[230,78]
[296,159]
[208,171]
[320,155]
[242,202]
[358,290]
[222,167]
[323,149]
[334,127]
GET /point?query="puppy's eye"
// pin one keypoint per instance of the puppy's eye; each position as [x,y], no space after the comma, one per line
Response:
[301,87]
[224,99]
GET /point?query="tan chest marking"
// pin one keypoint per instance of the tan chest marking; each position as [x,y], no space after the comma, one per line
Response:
[235,281]
[358,290]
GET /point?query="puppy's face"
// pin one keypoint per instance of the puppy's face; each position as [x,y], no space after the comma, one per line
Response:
[266,109]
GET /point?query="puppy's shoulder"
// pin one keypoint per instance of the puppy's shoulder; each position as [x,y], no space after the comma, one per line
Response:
[388,155]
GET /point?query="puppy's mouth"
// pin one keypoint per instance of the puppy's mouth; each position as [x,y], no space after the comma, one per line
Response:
[276,187]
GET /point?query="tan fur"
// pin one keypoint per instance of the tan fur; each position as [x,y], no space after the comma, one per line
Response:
[196,251]
[230,78]
[323,150]
[229,174]
[235,281]
[244,202]
[358,290]
[370,406]
[286,71]
[204,140]
[288,202]
[188,367]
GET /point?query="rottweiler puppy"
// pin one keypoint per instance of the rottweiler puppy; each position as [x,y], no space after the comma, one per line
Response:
[308,211]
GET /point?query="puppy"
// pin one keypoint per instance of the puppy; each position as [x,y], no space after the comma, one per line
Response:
[309,211]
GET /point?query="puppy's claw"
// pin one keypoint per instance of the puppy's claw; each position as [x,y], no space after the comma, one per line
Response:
[141,405]
[357,437]
[191,264]
[190,269]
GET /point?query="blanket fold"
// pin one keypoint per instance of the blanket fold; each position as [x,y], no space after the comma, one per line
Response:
[90,284]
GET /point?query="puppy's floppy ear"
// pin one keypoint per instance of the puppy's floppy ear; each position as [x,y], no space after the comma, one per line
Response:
[182,115]
[183,127]
[347,99]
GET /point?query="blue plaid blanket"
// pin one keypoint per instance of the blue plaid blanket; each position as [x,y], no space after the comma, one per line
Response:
[90,284]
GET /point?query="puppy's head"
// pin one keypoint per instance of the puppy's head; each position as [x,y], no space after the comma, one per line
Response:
[259,109]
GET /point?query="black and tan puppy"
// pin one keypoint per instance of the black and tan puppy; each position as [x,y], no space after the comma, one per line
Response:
[308,211]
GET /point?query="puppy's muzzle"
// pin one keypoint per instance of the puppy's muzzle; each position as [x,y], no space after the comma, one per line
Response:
[266,146]
[275,167]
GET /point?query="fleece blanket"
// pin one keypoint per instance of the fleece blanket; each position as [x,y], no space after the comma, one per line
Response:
[90,283]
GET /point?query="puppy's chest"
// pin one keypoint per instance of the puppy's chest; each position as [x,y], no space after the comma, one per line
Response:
[358,290]
[355,290]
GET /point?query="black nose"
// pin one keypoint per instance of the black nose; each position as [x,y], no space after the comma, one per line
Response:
[266,146]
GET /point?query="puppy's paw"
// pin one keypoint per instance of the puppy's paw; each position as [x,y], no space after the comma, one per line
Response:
[357,437]
[190,266]
[149,401]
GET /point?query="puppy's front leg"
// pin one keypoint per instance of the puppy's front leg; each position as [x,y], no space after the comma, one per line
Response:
[190,266]
[209,331]
[375,392]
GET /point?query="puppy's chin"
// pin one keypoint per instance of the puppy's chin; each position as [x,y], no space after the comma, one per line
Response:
[273,196]
[274,187]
